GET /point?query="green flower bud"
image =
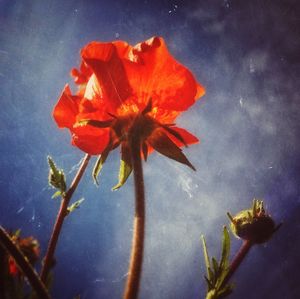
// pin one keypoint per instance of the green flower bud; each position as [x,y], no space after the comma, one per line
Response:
[254,224]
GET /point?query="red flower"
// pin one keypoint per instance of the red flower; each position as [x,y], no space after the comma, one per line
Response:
[30,248]
[121,87]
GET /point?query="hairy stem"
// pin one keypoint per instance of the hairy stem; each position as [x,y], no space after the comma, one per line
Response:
[62,213]
[137,249]
[23,264]
[238,260]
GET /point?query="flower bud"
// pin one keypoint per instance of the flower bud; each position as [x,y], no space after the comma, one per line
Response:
[254,224]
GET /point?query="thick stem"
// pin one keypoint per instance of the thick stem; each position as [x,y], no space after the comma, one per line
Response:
[24,265]
[137,249]
[48,261]
[237,260]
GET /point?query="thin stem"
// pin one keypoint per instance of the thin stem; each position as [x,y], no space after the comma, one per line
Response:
[238,260]
[62,213]
[23,264]
[137,249]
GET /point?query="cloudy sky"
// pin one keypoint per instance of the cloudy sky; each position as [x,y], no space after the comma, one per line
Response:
[246,54]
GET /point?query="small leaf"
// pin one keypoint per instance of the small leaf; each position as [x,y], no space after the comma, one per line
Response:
[56,194]
[75,205]
[125,166]
[17,233]
[56,176]
[206,258]
[209,284]
[225,249]
[164,145]
[100,162]
[53,167]
[224,292]
[215,267]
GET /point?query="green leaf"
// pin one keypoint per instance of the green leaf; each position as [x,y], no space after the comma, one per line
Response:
[125,166]
[224,263]
[209,284]
[218,271]
[225,250]
[215,267]
[164,145]
[75,205]
[56,176]
[100,162]
[225,291]
[206,258]
[56,194]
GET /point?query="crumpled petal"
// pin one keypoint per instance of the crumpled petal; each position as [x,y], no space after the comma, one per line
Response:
[153,72]
[93,144]
[82,75]
[66,109]
[103,59]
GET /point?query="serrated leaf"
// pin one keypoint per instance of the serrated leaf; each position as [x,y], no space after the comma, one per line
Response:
[56,194]
[164,145]
[125,166]
[75,205]
[56,176]
[206,258]
[53,167]
[100,162]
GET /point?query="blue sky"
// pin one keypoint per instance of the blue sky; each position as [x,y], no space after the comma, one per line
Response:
[246,54]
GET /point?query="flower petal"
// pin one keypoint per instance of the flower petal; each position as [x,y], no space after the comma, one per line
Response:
[66,109]
[153,72]
[93,144]
[109,70]
[82,75]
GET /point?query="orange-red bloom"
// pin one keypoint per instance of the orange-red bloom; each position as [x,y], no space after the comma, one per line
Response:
[118,83]
[30,248]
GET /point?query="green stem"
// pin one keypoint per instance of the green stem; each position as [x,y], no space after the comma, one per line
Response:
[23,264]
[137,249]
[48,261]
[238,260]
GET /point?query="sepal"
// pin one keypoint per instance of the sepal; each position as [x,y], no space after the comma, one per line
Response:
[100,162]
[164,145]
[125,166]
